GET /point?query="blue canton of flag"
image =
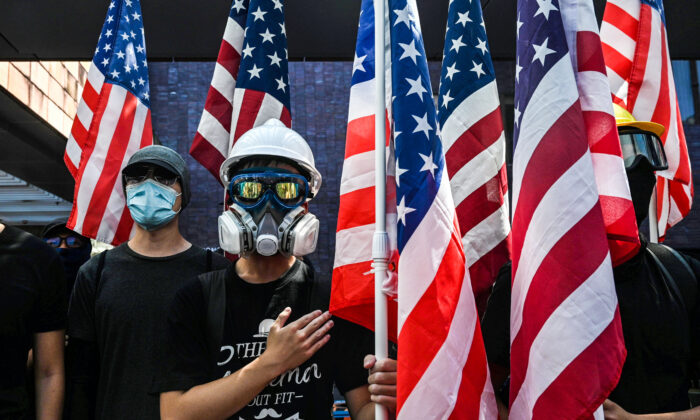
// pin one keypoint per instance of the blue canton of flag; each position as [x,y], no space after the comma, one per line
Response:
[467,65]
[250,84]
[541,44]
[121,49]
[363,65]
[239,11]
[471,130]
[659,6]
[112,122]
[264,58]
[438,325]
[418,150]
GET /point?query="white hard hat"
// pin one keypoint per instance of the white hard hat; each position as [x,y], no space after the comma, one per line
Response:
[273,139]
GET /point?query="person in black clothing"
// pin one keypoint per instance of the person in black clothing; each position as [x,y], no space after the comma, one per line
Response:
[73,248]
[659,303]
[118,307]
[32,316]
[239,344]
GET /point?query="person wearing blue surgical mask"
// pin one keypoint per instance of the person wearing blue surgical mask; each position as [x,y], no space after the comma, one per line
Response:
[152,194]
[120,299]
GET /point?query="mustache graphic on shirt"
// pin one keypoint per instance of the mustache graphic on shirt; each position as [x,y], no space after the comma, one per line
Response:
[268,412]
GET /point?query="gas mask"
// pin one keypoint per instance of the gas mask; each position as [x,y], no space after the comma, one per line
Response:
[266,216]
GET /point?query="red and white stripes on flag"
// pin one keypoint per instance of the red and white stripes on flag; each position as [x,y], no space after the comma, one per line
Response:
[211,143]
[567,348]
[584,44]
[638,63]
[480,184]
[113,121]
[471,128]
[442,369]
[441,358]
[352,295]
[239,100]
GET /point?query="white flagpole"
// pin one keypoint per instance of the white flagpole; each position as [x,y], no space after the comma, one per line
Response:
[380,242]
[653,221]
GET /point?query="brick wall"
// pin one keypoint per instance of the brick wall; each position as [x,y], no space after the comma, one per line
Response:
[178,91]
[319,113]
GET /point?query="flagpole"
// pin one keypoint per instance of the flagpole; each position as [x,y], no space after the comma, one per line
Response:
[653,220]
[380,242]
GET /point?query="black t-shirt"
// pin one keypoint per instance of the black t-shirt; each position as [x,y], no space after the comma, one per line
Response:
[125,316]
[659,337]
[302,393]
[661,334]
[32,300]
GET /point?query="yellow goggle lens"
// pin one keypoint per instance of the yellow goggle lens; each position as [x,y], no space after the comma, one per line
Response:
[287,190]
[250,190]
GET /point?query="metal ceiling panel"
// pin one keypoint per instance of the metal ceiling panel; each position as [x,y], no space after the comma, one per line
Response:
[24,204]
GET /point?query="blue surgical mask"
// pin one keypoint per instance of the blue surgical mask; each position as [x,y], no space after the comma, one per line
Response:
[151,203]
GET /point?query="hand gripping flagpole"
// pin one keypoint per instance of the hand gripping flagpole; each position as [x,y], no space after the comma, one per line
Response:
[380,242]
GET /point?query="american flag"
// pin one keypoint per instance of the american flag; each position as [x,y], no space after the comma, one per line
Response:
[250,83]
[603,140]
[438,326]
[113,121]
[639,68]
[475,146]
[565,323]
[352,295]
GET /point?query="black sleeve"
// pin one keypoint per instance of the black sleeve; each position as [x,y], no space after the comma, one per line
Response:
[495,325]
[50,314]
[694,320]
[81,310]
[185,363]
[695,342]
[352,344]
[82,373]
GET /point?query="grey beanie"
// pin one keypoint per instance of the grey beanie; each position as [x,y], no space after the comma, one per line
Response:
[166,158]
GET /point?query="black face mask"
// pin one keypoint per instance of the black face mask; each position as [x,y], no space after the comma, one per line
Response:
[642,180]
[72,259]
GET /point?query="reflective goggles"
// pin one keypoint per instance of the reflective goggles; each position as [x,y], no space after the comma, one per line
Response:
[642,143]
[70,241]
[141,173]
[248,190]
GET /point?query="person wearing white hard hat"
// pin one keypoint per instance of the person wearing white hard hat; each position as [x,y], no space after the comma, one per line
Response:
[255,340]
